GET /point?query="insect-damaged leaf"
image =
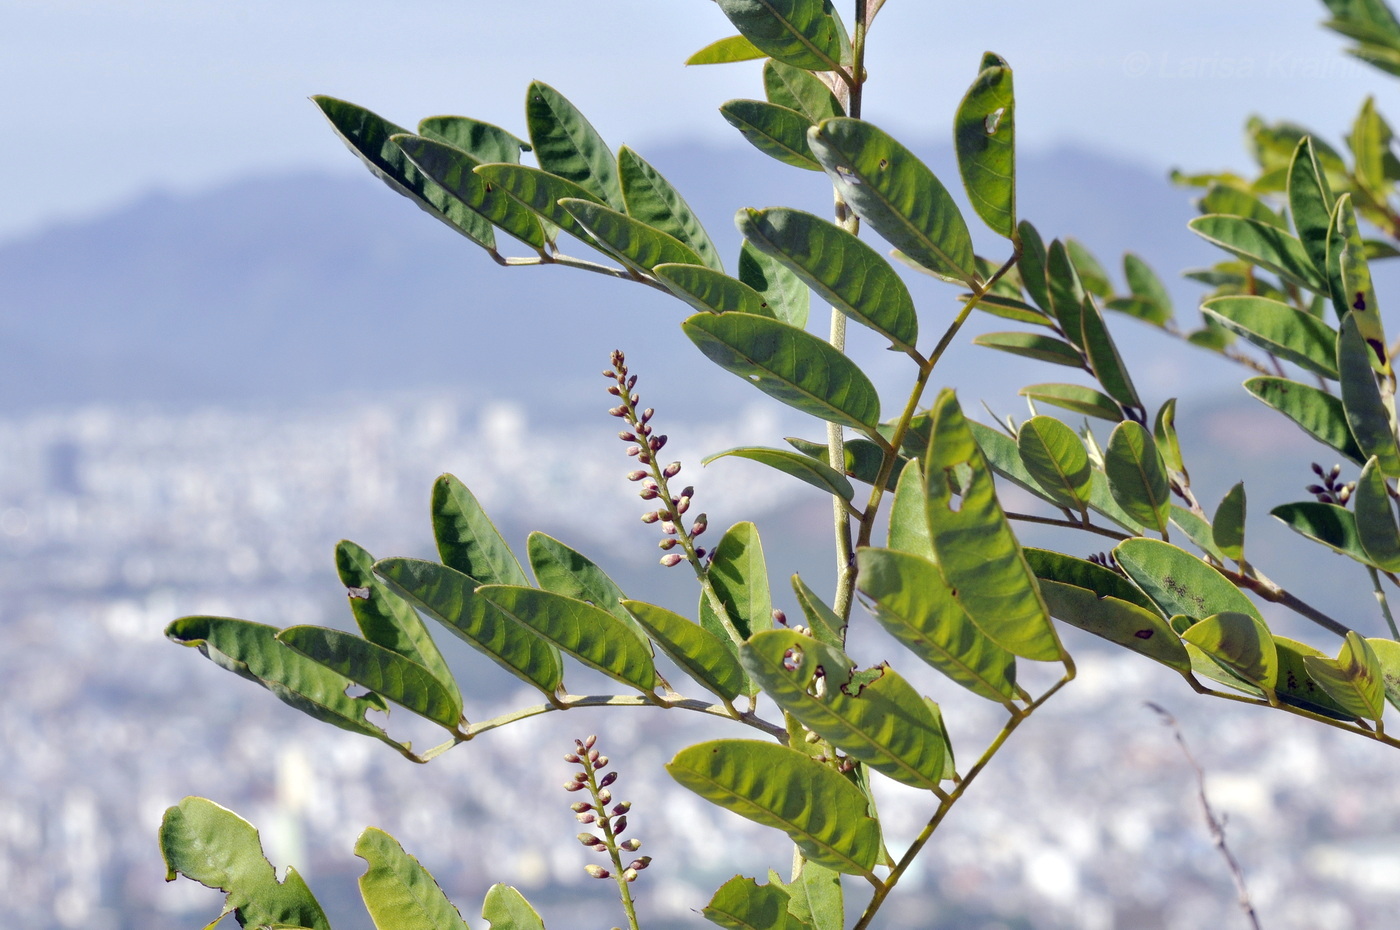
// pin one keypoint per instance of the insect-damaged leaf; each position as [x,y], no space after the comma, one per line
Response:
[743,904]
[1178,582]
[1119,621]
[1355,679]
[984,131]
[1239,642]
[506,909]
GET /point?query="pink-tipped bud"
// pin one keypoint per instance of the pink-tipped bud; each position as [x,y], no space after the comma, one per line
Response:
[588,839]
[668,528]
[580,777]
[640,863]
[672,558]
[668,543]
[573,786]
[631,845]
[588,743]
[651,516]
[648,494]
[593,757]
[634,450]
[634,397]
[648,413]
[631,382]
[602,763]
[637,475]
[570,757]
[621,807]
[617,411]
[644,458]
[597,871]
[626,436]
[578,806]
[610,374]
[701,523]
[643,429]
[779,617]
[683,504]
[586,817]
[670,471]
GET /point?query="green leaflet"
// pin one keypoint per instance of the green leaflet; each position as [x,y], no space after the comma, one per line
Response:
[633,242]
[797,368]
[1296,685]
[815,897]
[1103,355]
[984,133]
[1310,201]
[482,141]
[909,530]
[783,290]
[506,909]
[449,597]
[1081,573]
[1119,621]
[1207,667]
[1233,201]
[1279,329]
[883,722]
[800,90]
[467,540]
[652,200]
[215,847]
[567,145]
[1241,643]
[843,270]
[1091,272]
[386,673]
[802,33]
[1146,286]
[916,605]
[588,633]
[706,289]
[822,621]
[1355,679]
[1055,457]
[774,130]
[1033,265]
[802,467]
[1333,526]
[1137,476]
[743,904]
[1032,345]
[1066,291]
[1369,413]
[454,171]
[863,458]
[977,551]
[1010,308]
[740,578]
[896,193]
[1375,519]
[725,51]
[1075,397]
[386,619]
[1370,144]
[698,652]
[1227,530]
[1264,245]
[568,572]
[1178,582]
[1387,652]
[368,136]
[1198,531]
[1320,414]
[540,192]
[823,813]
[251,650]
[1164,433]
[398,892]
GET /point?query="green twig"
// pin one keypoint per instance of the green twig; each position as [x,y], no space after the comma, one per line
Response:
[1385,605]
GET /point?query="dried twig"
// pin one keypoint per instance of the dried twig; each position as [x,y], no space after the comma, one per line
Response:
[1213,823]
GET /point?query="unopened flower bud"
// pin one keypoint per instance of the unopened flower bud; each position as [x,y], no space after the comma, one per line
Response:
[621,807]
[648,413]
[604,796]
[573,786]
[610,374]
[616,411]
[588,839]
[699,553]
[668,543]
[607,779]
[631,382]
[671,558]
[586,817]
[614,390]
[683,503]
[635,397]
[619,825]
[580,777]
[779,617]
[644,458]
[588,743]
[700,525]
[657,442]
[668,528]
[570,757]
[631,845]
[648,494]
[597,871]
[630,875]
[640,863]
[634,450]
[1336,470]
[637,475]
[626,436]
[651,516]
[670,471]
[579,806]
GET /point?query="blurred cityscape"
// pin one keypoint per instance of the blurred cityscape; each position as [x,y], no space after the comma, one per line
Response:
[113,521]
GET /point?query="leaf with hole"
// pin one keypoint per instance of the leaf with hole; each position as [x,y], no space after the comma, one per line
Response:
[984,134]
[506,909]
[743,904]
[1119,621]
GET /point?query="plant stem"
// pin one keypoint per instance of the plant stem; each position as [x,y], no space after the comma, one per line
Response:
[1070,524]
[1385,605]
[1273,593]
[570,701]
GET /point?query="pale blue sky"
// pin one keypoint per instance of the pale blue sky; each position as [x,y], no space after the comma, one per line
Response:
[104,100]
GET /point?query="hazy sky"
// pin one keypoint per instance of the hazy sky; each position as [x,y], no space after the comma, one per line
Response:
[103,100]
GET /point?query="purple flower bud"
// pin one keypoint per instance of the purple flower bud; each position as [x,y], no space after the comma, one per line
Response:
[634,397]
[640,863]
[631,382]
[573,786]
[631,845]
[619,825]
[637,475]
[701,523]
[668,528]
[586,817]
[621,807]
[614,390]
[593,757]
[657,442]
[651,516]
[626,436]
[668,543]
[644,458]
[570,757]
[588,839]
[648,413]
[617,411]
[634,450]
[648,494]
[670,471]
[671,558]
[604,796]
[602,763]
[699,553]
[650,485]
[683,504]
[588,743]
[597,871]
[779,617]
[610,374]
[630,875]
[578,806]
[580,777]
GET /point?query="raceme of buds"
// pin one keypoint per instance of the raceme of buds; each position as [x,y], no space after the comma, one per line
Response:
[608,824]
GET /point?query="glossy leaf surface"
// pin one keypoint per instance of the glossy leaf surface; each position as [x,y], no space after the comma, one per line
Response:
[739,574]
[1075,397]
[1240,642]
[630,240]
[1137,476]
[653,200]
[1056,458]
[398,892]
[706,289]
[1329,524]
[776,131]
[467,540]
[1266,246]
[454,171]
[567,145]
[1178,582]
[1081,573]
[569,572]
[783,290]
[540,192]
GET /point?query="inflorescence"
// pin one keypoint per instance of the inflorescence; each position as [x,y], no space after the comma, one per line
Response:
[602,813]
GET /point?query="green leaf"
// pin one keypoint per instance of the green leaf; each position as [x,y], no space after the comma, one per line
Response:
[1266,246]
[633,242]
[1317,412]
[386,619]
[822,621]
[1223,198]
[863,458]
[1370,414]
[775,131]
[1091,273]
[1227,531]
[399,893]
[506,909]
[1375,519]
[815,897]
[773,785]
[896,193]
[1311,202]
[567,145]
[482,141]
[1198,530]
[1056,458]
[387,673]
[801,370]
[909,530]
[251,651]
[916,605]
[1009,308]
[743,904]
[1239,642]
[449,597]
[1066,291]
[784,291]
[845,271]
[1033,264]
[883,723]
[1355,679]
[1104,358]
[984,132]
[566,571]
[588,633]
[1075,397]
[1033,345]
[1296,686]
[706,289]
[1081,573]
[802,33]
[698,652]
[215,847]
[977,551]
[651,199]
[1178,582]
[800,90]
[1137,475]
[467,540]
[540,192]
[1164,433]
[368,136]
[727,50]
[1333,526]
[1278,329]
[802,467]
[1370,144]
[740,578]
[1119,621]
[1387,652]
[1146,286]
[454,171]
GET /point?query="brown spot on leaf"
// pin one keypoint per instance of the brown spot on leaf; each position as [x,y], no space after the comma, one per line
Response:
[1144,634]
[1360,302]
